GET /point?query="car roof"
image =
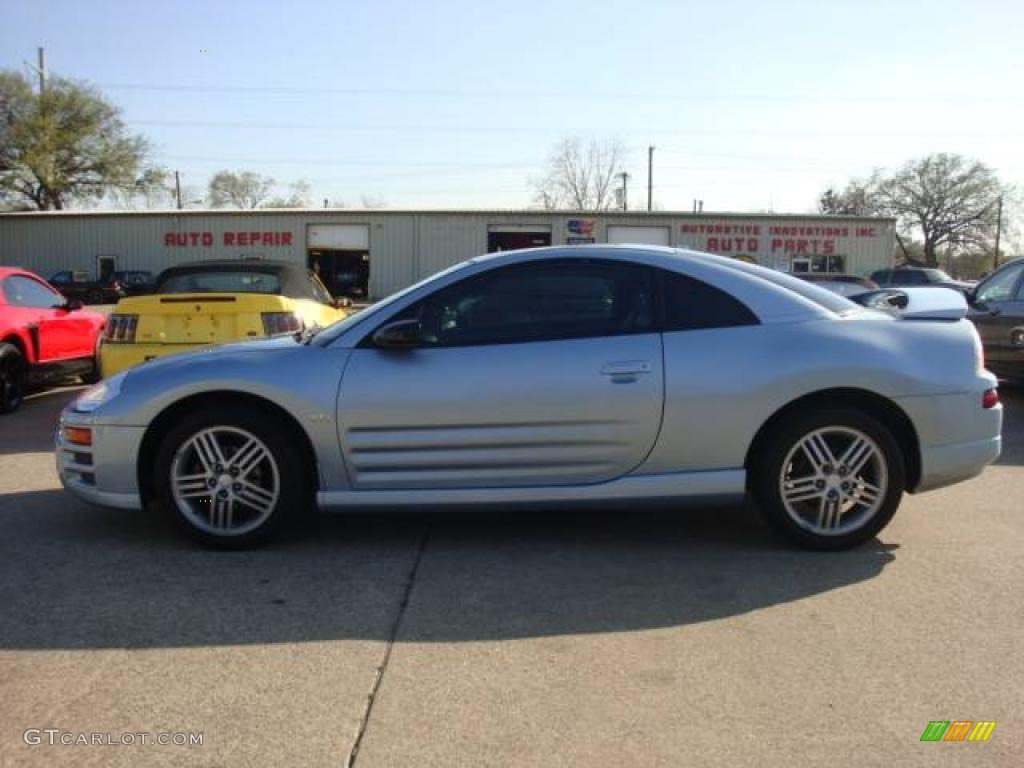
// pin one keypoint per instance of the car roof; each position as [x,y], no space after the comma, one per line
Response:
[7,271]
[773,296]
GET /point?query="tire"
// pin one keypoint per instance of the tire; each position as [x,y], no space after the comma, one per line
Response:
[835,497]
[12,378]
[95,374]
[249,504]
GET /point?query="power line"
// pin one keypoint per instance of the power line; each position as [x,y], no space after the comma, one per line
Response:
[578,94]
[519,129]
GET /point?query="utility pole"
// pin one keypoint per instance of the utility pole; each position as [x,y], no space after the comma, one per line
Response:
[999,228]
[650,177]
[624,176]
[42,69]
[177,188]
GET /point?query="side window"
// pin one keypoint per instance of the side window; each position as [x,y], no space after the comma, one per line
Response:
[539,301]
[25,292]
[1000,286]
[691,304]
[61,278]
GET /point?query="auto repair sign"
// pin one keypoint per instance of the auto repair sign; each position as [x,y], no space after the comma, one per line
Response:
[244,239]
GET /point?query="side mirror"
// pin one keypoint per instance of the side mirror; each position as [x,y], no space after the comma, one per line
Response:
[403,334]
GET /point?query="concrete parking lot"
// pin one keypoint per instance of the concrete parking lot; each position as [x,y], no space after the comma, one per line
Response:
[633,638]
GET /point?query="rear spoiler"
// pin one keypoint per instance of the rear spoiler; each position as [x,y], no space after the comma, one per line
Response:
[932,303]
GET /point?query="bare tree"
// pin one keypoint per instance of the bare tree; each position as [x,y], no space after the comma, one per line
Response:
[372,201]
[242,189]
[580,177]
[301,194]
[944,200]
[851,201]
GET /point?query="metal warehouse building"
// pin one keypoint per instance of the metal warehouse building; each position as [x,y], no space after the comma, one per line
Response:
[386,250]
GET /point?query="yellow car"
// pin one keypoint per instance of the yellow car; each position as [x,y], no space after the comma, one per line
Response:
[214,302]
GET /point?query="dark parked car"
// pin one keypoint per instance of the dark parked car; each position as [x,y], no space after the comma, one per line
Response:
[914,276]
[78,285]
[997,309]
[844,285]
[136,282]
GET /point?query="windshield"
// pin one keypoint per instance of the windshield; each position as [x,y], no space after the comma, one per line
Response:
[938,276]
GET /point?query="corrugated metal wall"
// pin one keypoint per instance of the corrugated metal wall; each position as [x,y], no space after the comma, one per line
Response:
[405,246]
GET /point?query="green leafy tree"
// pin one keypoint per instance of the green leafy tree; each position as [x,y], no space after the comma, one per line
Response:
[62,146]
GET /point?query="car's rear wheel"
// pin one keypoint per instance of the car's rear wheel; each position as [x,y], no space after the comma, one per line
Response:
[12,378]
[829,479]
[230,476]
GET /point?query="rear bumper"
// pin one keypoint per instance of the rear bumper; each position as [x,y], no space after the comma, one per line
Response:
[957,437]
[947,464]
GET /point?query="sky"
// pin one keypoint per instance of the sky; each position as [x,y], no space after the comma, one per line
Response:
[751,105]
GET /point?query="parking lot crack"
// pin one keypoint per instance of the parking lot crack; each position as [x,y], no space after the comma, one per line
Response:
[396,626]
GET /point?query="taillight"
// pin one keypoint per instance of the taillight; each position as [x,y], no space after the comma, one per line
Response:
[278,323]
[121,329]
[990,398]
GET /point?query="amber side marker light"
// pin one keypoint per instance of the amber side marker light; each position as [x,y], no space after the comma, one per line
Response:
[78,435]
[990,398]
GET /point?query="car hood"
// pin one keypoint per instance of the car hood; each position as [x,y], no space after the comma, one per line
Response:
[219,354]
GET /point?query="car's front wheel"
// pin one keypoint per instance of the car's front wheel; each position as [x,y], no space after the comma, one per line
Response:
[230,476]
[829,479]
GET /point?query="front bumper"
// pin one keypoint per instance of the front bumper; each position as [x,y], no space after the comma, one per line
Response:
[103,473]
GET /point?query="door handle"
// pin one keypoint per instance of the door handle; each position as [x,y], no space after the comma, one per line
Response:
[626,369]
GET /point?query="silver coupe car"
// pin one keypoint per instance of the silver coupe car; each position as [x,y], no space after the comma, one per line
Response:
[578,375]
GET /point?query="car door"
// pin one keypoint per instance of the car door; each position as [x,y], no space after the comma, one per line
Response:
[61,334]
[540,373]
[997,310]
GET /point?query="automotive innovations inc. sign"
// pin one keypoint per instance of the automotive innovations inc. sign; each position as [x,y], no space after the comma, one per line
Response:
[758,237]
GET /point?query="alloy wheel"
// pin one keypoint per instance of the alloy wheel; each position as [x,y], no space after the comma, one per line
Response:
[225,481]
[833,480]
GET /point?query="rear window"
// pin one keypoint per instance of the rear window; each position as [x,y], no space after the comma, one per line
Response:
[220,281]
[824,298]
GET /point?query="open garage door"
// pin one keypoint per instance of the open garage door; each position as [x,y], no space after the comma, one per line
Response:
[510,237]
[638,235]
[340,255]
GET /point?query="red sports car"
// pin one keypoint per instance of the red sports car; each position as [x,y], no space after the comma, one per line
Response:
[43,336]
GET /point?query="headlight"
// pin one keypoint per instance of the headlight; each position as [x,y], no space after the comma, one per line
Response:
[98,394]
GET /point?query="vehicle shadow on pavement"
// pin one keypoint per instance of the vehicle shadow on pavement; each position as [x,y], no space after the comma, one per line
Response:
[72,576]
